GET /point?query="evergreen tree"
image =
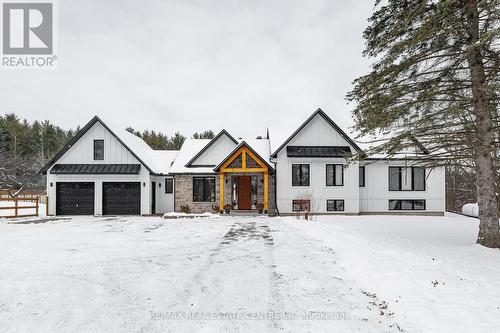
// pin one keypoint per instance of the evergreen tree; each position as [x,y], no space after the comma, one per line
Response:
[175,142]
[436,77]
[209,134]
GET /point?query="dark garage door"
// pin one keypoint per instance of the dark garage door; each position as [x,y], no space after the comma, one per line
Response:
[121,198]
[74,198]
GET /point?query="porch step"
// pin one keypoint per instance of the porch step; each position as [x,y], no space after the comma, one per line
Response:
[244,213]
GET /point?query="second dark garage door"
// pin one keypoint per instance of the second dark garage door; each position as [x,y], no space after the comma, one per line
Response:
[121,198]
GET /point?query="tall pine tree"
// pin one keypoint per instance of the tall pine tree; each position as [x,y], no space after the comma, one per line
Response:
[436,77]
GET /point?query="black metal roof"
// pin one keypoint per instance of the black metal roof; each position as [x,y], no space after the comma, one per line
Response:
[318,151]
[96,169]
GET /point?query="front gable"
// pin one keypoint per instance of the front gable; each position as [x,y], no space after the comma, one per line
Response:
[80,148]
[408,145]
[82,152]
[217,149]
[319,130]
[243,159]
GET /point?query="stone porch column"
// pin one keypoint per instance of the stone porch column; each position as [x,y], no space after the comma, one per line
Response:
[221,192]
[266,191]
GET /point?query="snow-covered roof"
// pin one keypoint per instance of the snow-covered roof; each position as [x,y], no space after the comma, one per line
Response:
[412,147]
[261,147]
[163,160]
[278,135]
[189,149]
[175,161]
[159,161]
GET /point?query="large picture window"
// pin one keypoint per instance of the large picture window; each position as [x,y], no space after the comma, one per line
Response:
[98,150]
[334,175]
[300,174]
[406,204]
[406,179]
[335,205]
[203,189]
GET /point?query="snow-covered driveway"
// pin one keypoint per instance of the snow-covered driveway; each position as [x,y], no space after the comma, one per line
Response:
[147,274]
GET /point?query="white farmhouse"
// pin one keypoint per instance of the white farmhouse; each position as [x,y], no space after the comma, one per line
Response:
[108,171]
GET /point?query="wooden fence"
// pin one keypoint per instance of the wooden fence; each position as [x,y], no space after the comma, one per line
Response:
[19,209]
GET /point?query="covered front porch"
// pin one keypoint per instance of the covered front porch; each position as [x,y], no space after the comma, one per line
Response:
[244,181]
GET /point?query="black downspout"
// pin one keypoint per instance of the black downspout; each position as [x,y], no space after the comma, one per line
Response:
[175,190]
[276,189]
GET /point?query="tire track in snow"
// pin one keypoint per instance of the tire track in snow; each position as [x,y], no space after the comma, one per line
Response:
[247,245]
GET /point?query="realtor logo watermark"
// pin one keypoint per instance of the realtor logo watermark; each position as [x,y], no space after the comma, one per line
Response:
[28,34]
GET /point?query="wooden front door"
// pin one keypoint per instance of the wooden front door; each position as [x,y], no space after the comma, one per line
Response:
[244,192]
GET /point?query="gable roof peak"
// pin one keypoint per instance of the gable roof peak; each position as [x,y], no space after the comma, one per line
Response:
[80,134]
[243,143]
[209,144]
[322,113]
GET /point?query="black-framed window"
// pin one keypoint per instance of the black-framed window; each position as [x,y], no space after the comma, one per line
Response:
[395,178]
[300,174]
[406,179]
[418,178]
[169,185]
[203,189]
[407,204]
[334,175]
[361,176]
[301,205]
[98,150]
[334,205]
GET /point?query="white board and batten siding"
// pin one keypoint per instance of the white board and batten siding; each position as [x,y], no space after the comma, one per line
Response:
[82,152]
[375,196]
[318,132]
[164,201]
[217,151]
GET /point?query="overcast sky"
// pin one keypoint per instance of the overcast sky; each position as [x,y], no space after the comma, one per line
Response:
[192,65]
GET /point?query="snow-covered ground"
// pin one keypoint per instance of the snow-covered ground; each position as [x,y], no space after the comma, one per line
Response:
[256,274]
